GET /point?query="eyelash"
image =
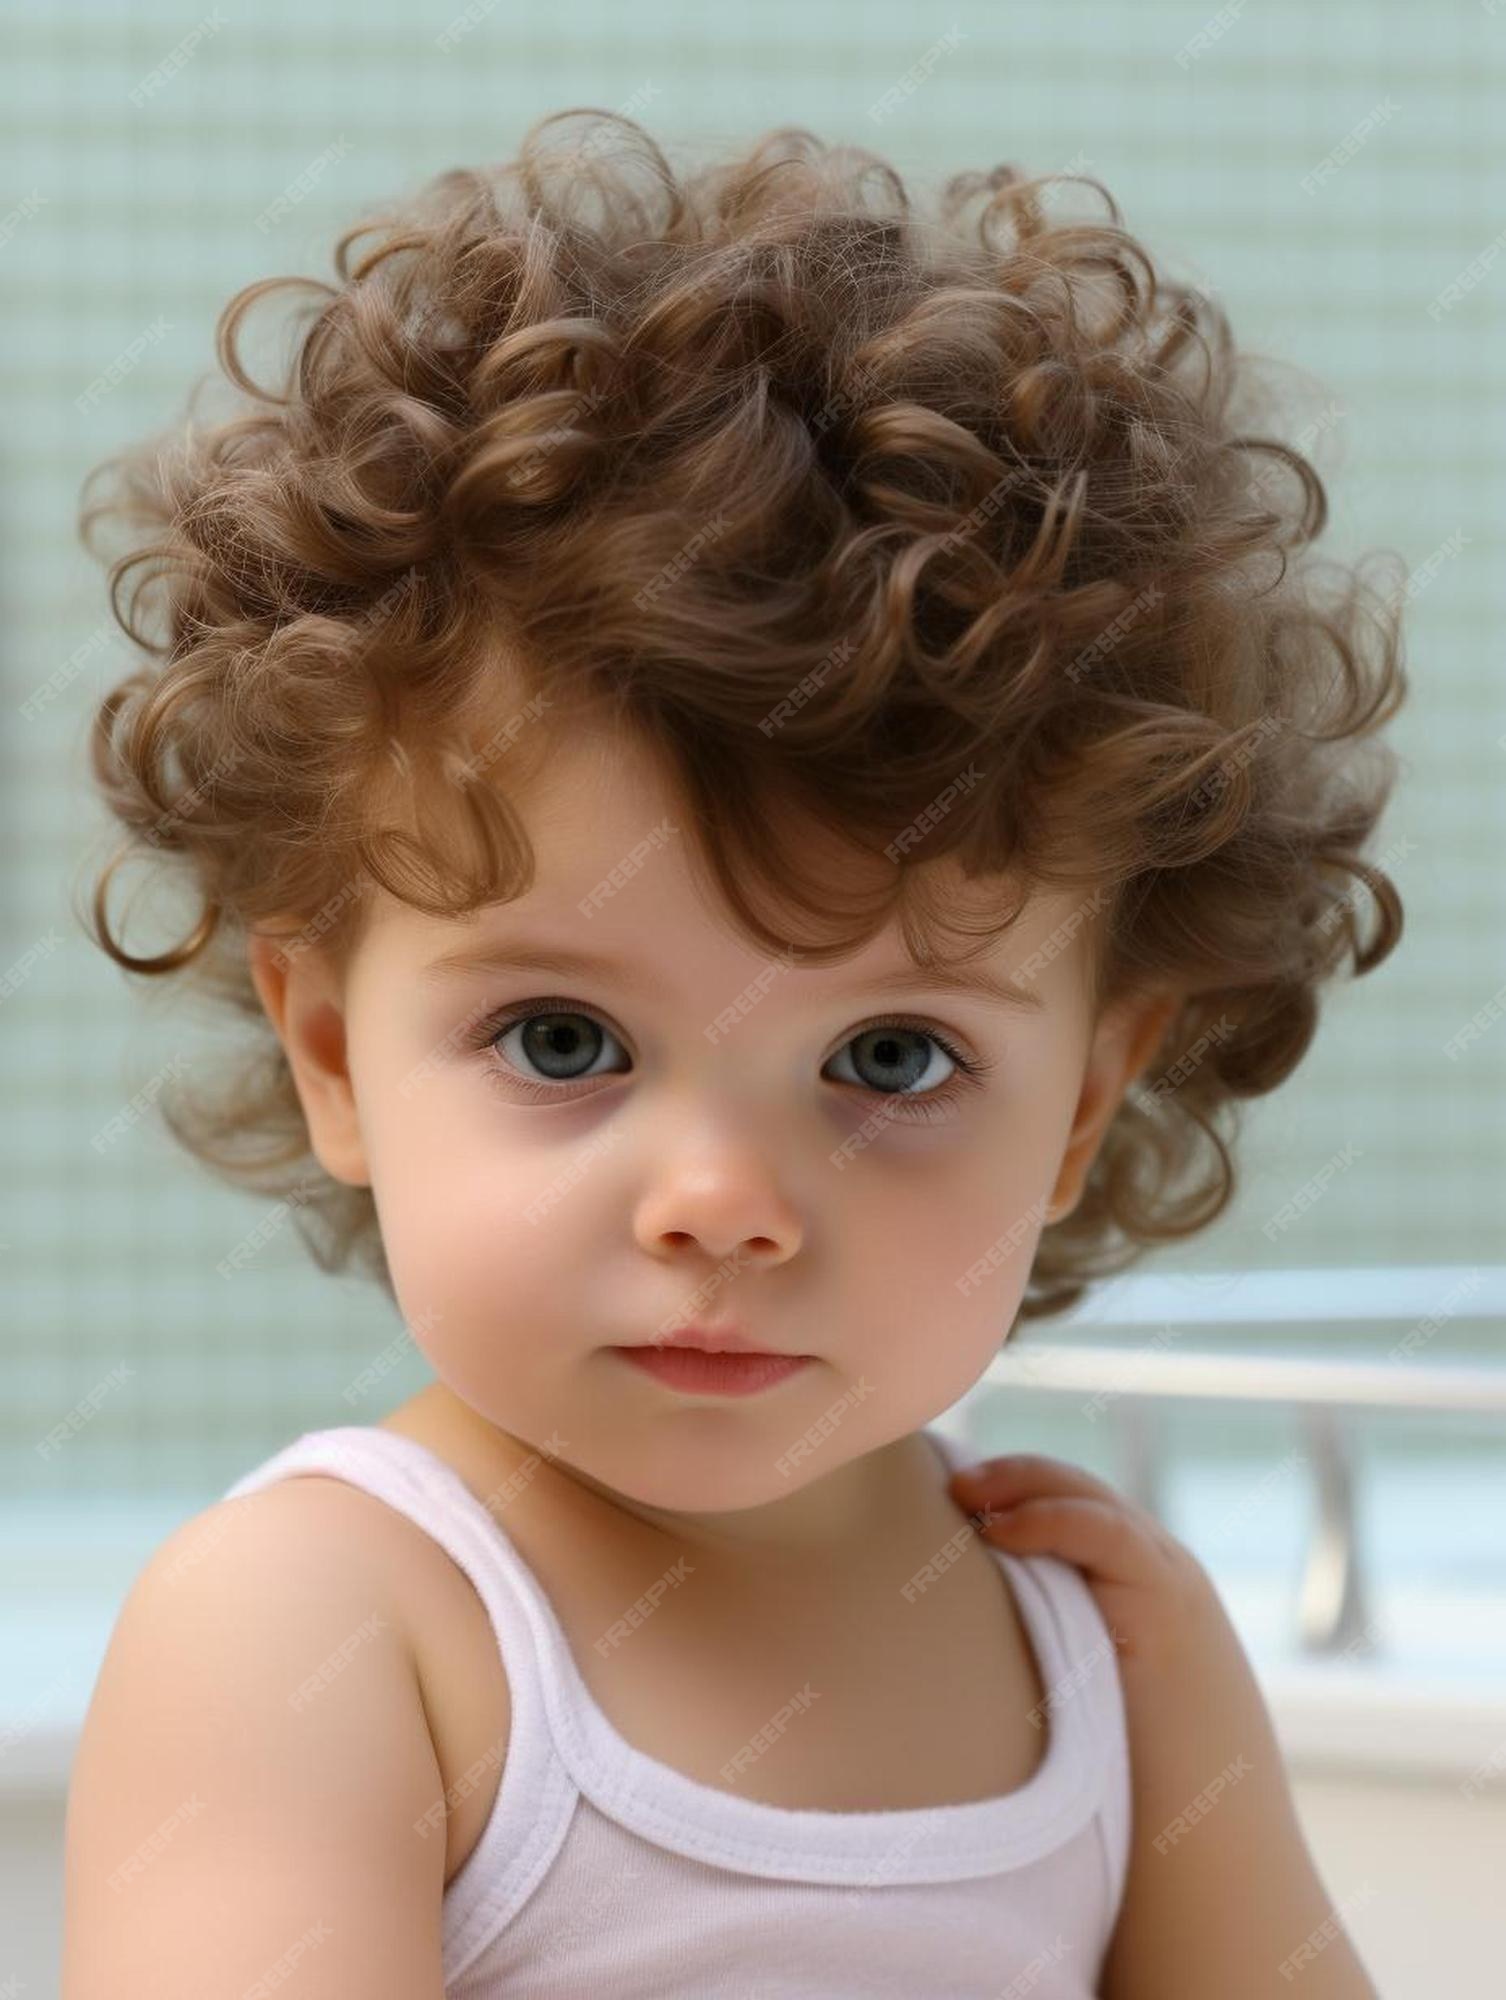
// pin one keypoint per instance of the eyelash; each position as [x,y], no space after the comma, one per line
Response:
[933,1104]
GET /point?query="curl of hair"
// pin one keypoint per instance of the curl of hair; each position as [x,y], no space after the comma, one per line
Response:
[825,498]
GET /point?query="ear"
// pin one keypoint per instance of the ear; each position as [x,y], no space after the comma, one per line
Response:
[1127,1036]
[304,1001]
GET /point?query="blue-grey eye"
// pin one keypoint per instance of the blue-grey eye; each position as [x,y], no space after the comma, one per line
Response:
[561,1046]
[897,1060]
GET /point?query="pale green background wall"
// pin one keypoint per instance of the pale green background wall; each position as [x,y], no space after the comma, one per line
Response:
[116,216]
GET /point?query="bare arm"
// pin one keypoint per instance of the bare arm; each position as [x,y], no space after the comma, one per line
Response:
[253,1803]
[1222,1896]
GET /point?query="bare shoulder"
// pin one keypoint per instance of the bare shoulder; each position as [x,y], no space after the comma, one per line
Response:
[228,1821]
[1213,1805]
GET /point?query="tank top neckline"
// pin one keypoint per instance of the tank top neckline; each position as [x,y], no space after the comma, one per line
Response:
[667,1806]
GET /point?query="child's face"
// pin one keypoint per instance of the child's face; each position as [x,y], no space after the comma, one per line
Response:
[531,1227]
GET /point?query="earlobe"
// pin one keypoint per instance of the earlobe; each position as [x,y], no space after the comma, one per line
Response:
[301,999]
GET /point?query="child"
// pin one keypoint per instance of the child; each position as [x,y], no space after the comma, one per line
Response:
[724,726]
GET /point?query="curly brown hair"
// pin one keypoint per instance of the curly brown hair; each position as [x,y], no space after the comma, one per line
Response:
[826,500]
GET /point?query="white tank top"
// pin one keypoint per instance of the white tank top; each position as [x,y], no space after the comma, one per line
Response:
[602,1869]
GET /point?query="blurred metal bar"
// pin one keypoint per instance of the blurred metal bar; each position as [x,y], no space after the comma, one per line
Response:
[1137,1436]
[1253,1378]
[1332,1614]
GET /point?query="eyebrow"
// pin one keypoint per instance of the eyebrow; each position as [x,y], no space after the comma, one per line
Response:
[567,961]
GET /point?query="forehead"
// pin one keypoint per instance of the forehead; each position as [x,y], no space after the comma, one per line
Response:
[618,873]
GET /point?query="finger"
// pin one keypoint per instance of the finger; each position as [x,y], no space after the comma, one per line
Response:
[1095,1536]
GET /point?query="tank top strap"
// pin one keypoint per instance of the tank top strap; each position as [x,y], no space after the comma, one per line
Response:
[536,1795]
[1091,1678]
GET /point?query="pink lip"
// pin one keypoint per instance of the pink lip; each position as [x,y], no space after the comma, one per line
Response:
[710,1340]
[706,1372]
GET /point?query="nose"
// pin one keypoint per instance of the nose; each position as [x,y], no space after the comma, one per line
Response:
[727,1208]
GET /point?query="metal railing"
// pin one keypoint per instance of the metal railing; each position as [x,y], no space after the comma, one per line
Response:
[1332,1612]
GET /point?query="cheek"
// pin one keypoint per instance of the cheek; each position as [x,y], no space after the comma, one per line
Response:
[937,1270]
[472,1227]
